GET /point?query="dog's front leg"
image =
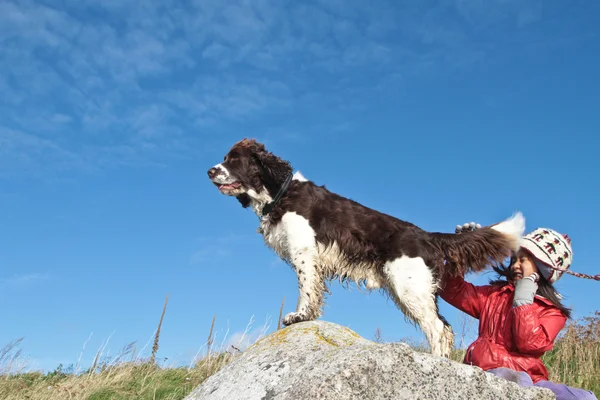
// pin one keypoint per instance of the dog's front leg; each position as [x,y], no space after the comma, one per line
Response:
[310,286]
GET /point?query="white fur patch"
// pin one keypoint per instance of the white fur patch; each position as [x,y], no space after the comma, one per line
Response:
[294,240]
[514,227]
[223,177]
[299,177]
[411,283]
[332,263]
[258,200]
[293,232]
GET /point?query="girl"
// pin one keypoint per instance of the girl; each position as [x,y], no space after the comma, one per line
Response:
[520,314]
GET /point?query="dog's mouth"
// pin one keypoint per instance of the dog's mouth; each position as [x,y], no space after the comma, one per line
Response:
[228,188]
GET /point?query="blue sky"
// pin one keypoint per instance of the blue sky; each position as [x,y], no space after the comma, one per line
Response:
[438,113]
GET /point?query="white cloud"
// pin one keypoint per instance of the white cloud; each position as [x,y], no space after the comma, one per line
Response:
[31,153]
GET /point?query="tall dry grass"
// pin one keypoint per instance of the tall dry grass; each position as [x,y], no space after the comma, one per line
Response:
[127,376]
[157,335]
[127,380]
[575,358]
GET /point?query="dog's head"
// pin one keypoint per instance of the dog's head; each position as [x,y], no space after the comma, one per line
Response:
[249,171]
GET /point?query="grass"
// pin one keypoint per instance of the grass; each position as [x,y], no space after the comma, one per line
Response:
[575,361]
[128,380]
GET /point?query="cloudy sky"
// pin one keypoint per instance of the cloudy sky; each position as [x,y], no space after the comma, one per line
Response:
[438,112]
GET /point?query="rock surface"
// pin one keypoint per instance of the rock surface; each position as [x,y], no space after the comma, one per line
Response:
[320,360]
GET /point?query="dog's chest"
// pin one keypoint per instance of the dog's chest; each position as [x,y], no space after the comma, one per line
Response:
[276,237]
[289,237]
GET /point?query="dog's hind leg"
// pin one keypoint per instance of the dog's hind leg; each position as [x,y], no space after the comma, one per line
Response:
[302,249]
[447,333]
[412,286]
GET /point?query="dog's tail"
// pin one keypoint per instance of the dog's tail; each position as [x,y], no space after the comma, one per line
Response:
[478,249]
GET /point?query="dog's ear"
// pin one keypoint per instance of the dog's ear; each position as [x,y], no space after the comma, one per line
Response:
[275,169]
[244,199]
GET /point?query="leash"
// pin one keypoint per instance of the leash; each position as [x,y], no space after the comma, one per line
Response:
[270,205]
[577,274]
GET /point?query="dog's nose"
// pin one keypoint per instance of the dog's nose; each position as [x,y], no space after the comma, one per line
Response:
[212,172]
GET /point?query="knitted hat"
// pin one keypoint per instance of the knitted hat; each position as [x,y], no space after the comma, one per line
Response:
[550,248]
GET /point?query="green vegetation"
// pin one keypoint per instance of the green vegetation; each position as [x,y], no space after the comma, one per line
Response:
[126,381]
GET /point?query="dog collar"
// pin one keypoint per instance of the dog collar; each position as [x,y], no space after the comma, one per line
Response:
[270,205]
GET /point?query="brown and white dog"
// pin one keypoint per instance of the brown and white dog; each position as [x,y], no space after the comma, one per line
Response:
[325,236]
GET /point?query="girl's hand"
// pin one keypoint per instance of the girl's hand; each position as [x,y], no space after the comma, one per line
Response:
[468,227]
[525,290]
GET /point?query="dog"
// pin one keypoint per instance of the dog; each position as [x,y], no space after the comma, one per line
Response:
[325,236]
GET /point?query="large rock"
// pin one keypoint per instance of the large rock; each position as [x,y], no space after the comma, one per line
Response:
[321,360]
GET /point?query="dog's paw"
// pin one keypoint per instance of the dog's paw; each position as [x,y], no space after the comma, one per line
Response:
[294,317]
[468,227]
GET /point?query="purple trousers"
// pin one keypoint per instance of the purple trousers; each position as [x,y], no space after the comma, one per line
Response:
[562,392]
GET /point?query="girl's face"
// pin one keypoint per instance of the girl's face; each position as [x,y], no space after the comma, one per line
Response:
[524,265]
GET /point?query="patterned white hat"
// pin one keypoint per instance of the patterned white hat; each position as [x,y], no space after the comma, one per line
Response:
[550,248]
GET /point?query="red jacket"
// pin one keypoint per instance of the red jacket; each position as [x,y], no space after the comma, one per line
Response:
[509,337]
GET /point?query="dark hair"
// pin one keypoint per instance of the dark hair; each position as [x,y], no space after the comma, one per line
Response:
[545,288]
